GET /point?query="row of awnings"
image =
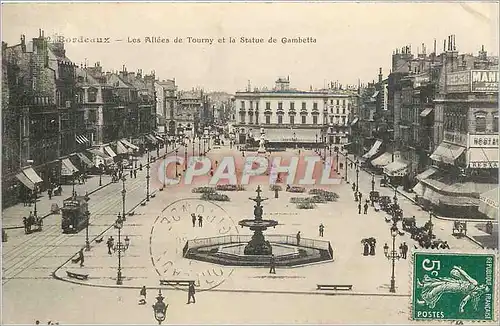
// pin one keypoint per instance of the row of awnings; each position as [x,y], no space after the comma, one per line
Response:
[447,153]
[488,203]
[398,168]
[438,198]
[382,160]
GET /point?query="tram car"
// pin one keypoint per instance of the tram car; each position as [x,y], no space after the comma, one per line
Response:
[75,214]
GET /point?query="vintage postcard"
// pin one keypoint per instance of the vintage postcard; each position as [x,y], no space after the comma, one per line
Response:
[245,163]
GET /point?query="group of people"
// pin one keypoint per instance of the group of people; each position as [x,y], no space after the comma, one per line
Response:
[54,190]
[358,196]
[200,220]
[31,220]
[191,293]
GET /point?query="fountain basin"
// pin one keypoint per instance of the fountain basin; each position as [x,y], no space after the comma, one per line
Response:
[256,224]
[230,251]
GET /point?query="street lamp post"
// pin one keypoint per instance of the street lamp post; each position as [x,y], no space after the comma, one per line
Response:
[35,190]
[147,180]
[337,170]
[194,138]
[124,192]
[87,242]
[395,194]
[204,146]
[373,182]
[393,256]
[357,176]
[176,163]
[346,169]
[160,308]
[73,183]
[185,157]
[119,225]
[199,145]
[100,175]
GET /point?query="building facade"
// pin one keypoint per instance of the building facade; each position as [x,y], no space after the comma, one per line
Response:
[290,116]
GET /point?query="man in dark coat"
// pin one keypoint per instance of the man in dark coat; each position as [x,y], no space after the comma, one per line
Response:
[200,221]
[272,265]
[191,292]
[81,258]
[359,208]
[193,219]
[365,208]
[404,250]
[110,244]
[142,294]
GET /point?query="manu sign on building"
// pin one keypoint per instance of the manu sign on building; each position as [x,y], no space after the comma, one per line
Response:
[484,80]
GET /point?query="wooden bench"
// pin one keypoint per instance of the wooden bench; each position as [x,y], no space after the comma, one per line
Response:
[78,276]
[343,287]
[176,282]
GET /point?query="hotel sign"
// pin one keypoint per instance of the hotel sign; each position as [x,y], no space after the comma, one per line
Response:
[455,138]
[483,141]
[483,165]
[458,82]
[484,81]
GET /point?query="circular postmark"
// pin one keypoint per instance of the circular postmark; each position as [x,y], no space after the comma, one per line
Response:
[174,227]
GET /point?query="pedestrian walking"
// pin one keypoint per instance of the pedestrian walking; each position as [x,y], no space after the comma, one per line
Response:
[386,250]
[276,192]
[405,250]
[193,219]
[142,295]
[366,208]
[321,229]
[131,173]
[359,208]
[200,221]
[110,244]
[356,196]
[298,238]
[191,292]
[81,258]
[354,186]
[49,192]
[272,265]
[135,174]
[360,195]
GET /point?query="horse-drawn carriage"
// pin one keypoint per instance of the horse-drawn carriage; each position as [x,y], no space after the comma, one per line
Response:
[374,196]
[409,224]
[32,224]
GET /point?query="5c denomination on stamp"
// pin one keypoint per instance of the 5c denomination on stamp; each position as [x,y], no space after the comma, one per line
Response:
[453,286]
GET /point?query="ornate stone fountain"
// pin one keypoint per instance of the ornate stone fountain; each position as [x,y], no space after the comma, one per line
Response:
[258,245]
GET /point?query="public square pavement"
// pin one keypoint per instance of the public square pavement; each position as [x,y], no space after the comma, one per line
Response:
[155,253]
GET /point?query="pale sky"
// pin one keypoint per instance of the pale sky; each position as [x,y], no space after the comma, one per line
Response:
[352,40]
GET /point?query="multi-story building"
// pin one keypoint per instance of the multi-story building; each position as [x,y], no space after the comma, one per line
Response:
[293,117]
[165,103]
[54,110]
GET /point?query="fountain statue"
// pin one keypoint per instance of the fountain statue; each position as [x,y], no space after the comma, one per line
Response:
[258,245]
[262,142]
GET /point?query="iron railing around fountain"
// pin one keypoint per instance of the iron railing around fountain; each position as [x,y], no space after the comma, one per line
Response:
[273,238]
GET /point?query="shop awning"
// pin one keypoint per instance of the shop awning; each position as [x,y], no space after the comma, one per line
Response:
[120,148]
[85,159]
[97,153]
[425,112]
[427,173]
[419,189]
[129,144]
[67,168]
[109,151]
[25,181]
[447,153]
[382,160]
[373,150]
[151,138]
[488,203]
[482,158]
[354,121]
[396,168]
[292,135]
[32,175]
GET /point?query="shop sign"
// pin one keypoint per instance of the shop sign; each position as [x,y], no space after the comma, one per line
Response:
[483,165]
[455,138]
[483,140]
[457,82]
[484,80]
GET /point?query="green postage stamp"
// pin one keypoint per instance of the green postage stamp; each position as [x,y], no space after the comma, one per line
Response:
[453,286]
